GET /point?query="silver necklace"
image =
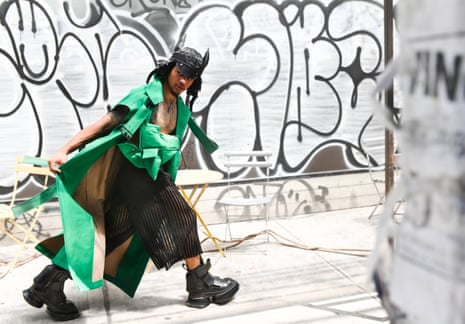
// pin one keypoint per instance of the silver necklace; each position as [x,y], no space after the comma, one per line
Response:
[170,106]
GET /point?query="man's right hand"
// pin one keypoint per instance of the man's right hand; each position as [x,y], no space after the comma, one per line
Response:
[56,161]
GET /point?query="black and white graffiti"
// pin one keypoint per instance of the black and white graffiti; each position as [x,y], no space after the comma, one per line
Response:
[292,77]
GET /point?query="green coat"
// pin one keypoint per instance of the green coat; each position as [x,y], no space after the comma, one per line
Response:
[83,184]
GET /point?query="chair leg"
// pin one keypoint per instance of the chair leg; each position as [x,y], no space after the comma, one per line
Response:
[266,229]
[22,243]
[379,203]
[227,233]
[380,195]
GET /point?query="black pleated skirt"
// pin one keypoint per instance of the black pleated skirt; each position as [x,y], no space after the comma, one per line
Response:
[154,210]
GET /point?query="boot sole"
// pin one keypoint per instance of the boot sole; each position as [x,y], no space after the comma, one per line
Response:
[227,296]
[62,317]
[219,299]
[198,303]
[32,300]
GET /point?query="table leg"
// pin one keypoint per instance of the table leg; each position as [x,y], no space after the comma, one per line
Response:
[192,205]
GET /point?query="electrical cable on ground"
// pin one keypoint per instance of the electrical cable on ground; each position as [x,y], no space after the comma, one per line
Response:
[280,239]
[289,243]
[19,263]
[348,277]
[293,244]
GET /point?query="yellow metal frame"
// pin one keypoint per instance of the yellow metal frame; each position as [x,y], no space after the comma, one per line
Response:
[22,235]
[192,200]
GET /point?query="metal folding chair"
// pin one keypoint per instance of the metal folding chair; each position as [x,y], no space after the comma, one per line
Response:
[21,229]
[238,199]
[375,151]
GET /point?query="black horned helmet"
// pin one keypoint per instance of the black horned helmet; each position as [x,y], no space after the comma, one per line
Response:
[190,63]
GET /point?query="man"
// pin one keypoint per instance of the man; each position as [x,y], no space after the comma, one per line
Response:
[118,200]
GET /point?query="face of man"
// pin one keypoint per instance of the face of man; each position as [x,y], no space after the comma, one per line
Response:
[177,82]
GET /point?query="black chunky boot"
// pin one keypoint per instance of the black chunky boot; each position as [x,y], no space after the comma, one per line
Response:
[48,289]
[204,288]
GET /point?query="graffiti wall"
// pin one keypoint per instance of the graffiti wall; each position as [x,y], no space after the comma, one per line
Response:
[291,77]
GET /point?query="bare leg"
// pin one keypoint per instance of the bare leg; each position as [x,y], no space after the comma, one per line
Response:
[193,262]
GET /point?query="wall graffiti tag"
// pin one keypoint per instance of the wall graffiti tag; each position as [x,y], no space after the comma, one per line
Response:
[290,198]
[293,77]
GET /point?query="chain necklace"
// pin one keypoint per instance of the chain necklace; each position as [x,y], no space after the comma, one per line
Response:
[170,106]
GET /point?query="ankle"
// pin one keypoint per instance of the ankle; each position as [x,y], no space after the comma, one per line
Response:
[193,263]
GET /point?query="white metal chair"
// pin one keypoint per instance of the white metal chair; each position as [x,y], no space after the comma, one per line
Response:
[241,196]
[21,229]
[374,149]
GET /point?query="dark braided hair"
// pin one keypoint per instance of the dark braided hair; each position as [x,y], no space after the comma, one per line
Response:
[193,60]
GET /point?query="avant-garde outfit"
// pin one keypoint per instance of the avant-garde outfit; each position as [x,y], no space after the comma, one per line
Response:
[120,206]
[131,217]
[121,211]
